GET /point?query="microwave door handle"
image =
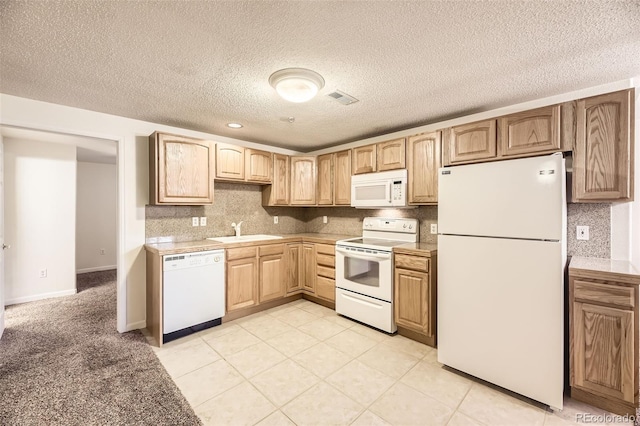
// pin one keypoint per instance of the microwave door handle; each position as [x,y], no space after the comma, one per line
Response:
[389,198]
[369,256]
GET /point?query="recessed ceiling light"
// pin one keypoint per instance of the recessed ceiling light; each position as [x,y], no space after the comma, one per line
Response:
[296,84]
[234,125]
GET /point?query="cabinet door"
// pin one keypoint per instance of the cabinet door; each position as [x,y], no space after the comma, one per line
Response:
[272,277]
[242,283]
[257,165]
[364,159]
[303,181]
[326,288]
[391,155]
[325,179]
[293,255]
[342,178]
[603,350]
[471,142]
[229,161]
[278,193]
[309,268]
[531,131]
[423,162]
[412,300]
[602,158]
[181,170]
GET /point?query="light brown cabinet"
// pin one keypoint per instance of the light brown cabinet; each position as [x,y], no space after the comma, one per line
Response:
[391,155]
[308,274]
[242,283]
[423,162]
[325,179]
[325,272]
[415,296]
[530,132]
[603,341]
[293,256]
[181,170]
[257,165]
[342,178]
[303,180]
[229,161]
[277,194]
[272,282]
[471,142]
[364,159]
[603,153]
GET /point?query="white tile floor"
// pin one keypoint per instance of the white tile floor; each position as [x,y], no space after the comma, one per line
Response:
[302,364]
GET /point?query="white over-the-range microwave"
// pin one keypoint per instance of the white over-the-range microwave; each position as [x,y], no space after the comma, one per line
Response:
[383,189]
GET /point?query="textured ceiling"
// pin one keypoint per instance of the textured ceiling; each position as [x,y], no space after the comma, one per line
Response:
[201,64]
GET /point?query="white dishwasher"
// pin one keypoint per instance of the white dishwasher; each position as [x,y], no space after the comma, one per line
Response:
[193,292]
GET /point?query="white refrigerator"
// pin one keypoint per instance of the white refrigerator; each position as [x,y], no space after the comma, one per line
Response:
[501,260]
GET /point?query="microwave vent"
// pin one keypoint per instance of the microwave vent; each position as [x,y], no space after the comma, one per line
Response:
[343,98]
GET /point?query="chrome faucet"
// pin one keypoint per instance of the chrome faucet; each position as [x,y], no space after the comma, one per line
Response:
[236,227]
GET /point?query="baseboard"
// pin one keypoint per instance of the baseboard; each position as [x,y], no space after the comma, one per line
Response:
[96,269]
[39,297]
[1,321]
[137,325]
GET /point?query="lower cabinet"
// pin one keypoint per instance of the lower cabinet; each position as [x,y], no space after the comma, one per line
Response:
[272,284]
[242,283]
[308,274]
[603,340]
[415,296]
[293,258]
[325,272]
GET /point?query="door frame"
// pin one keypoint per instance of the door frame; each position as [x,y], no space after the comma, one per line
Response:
[121,282]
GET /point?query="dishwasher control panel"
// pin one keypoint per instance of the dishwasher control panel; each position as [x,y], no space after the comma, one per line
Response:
[192,260]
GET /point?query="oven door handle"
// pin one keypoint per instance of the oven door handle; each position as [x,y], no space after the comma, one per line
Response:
[369,256]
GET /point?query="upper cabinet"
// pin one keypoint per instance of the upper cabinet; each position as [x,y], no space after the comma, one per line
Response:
[391,155]
[325,179]
[423,162]
[471,142]
[181,170]
[342,178]
[235,163]
[229,161]
[277,194]
[527,132]
[364,159]
[303,180]
[603,153]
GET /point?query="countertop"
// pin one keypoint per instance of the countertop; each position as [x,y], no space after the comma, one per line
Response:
[200,245]
[424,249]
[617,269]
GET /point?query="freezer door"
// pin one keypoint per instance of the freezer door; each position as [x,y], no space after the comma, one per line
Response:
[522,198]
[500,313]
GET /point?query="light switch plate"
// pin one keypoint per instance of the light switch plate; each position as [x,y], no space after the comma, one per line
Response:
[195,221]
[324,219]
[203,221]
[275,220]
[582,233]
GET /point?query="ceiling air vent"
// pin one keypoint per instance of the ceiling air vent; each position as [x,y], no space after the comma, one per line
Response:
[343,98]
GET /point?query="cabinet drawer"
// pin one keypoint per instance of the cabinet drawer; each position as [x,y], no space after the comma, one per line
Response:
[271,249]
[325,249]
[241,253]
[326,288]
[323,271]
[607,294]
[417,263]
[325,259]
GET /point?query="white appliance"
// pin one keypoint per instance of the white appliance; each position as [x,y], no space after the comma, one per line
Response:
[501,260]
[193,292]
[383,189]
[364,270]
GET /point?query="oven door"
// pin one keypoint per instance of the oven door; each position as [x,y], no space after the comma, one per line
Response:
[365,271]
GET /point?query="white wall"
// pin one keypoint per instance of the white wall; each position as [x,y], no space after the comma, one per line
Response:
[40,216]
[96,221]
[1,236]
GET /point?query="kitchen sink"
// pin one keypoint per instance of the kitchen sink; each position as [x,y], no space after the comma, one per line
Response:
[245,238]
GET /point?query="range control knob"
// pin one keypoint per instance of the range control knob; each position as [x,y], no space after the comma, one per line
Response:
[410,226]
[404,226]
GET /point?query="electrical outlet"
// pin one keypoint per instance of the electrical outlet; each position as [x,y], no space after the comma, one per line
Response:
[582,233]
[203,221]
[195,221]
[434,228]
[43,273]
[275,220]
[324,219]
[102,251]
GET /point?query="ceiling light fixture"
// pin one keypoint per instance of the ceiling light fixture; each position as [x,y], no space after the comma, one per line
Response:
[234,125]
[296,84]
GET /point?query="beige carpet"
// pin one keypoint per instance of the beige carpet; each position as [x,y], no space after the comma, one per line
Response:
[62,362]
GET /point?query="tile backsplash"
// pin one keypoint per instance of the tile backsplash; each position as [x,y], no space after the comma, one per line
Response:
[241,202]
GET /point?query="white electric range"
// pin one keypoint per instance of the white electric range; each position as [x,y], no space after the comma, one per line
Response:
[364,270]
